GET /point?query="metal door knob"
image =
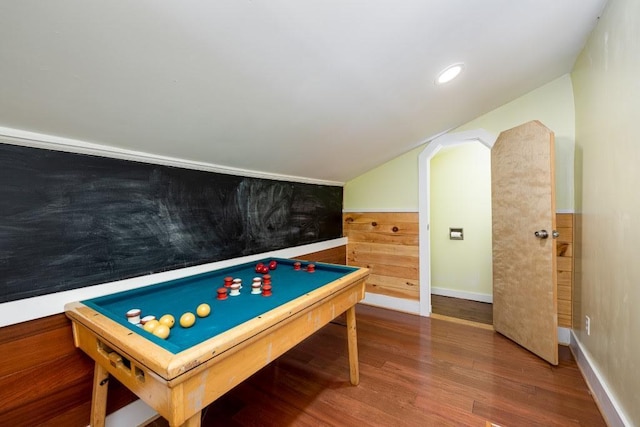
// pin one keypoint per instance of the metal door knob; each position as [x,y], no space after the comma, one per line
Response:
[541,234]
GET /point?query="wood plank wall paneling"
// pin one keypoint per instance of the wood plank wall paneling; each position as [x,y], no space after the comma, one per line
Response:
[564,225]
[45,380]
[44,377]
[387,243]
[336,255]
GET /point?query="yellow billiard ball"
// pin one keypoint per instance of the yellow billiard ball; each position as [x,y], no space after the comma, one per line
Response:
[151,325]
[187,320]
[168,320]
[161,331]
[203,310]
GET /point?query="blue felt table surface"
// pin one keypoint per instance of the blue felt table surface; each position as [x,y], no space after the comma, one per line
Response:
[178,296]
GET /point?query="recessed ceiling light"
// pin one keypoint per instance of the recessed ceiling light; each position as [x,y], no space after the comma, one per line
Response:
[449,73]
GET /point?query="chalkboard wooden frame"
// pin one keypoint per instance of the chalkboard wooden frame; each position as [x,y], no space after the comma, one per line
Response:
[73,220]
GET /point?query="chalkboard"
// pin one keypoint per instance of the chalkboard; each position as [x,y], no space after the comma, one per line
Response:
[72,220]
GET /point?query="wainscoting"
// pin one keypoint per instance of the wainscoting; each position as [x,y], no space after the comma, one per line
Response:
[564,225]
[387,243]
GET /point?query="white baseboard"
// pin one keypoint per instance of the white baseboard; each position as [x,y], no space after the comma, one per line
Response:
[564,336]
[613,414]
[392,303]
[473,296]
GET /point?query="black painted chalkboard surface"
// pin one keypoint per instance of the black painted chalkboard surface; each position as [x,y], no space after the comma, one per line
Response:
[72,220]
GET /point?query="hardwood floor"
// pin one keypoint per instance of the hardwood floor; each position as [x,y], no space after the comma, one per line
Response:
[414,371]
[459,308]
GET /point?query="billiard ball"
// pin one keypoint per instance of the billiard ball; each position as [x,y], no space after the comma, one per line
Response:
[151,325]
[203,310]
[273,264]
[187,320]
[264,269]
[162,331]
[168,320]
[259,267]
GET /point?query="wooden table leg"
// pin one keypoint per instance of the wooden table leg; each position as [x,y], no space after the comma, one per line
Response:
[194,421]
[99,396]
[352,337]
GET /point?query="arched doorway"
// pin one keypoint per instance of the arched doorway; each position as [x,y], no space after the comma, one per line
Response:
[447,140]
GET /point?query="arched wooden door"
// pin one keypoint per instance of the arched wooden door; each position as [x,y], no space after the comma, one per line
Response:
[524,260]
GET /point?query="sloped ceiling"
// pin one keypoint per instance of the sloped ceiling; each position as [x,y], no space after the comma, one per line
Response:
[322,89]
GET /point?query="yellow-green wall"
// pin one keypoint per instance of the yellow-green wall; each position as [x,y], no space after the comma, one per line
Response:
[461,198]
[394,185]
[606,81]
[553,105]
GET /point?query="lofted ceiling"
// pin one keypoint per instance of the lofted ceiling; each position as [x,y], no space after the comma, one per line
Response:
[320,89]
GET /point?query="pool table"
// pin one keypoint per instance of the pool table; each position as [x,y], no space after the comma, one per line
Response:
[179,376]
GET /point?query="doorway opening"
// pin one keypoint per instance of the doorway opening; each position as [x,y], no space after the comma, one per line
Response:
[460,224]
[427,263]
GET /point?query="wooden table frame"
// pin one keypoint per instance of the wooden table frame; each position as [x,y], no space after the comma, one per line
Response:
[179,386]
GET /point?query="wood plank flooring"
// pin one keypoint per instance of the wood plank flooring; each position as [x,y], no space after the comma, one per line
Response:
[459,308]
[414,371]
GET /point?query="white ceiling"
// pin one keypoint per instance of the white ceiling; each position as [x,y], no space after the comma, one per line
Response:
[322,89]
